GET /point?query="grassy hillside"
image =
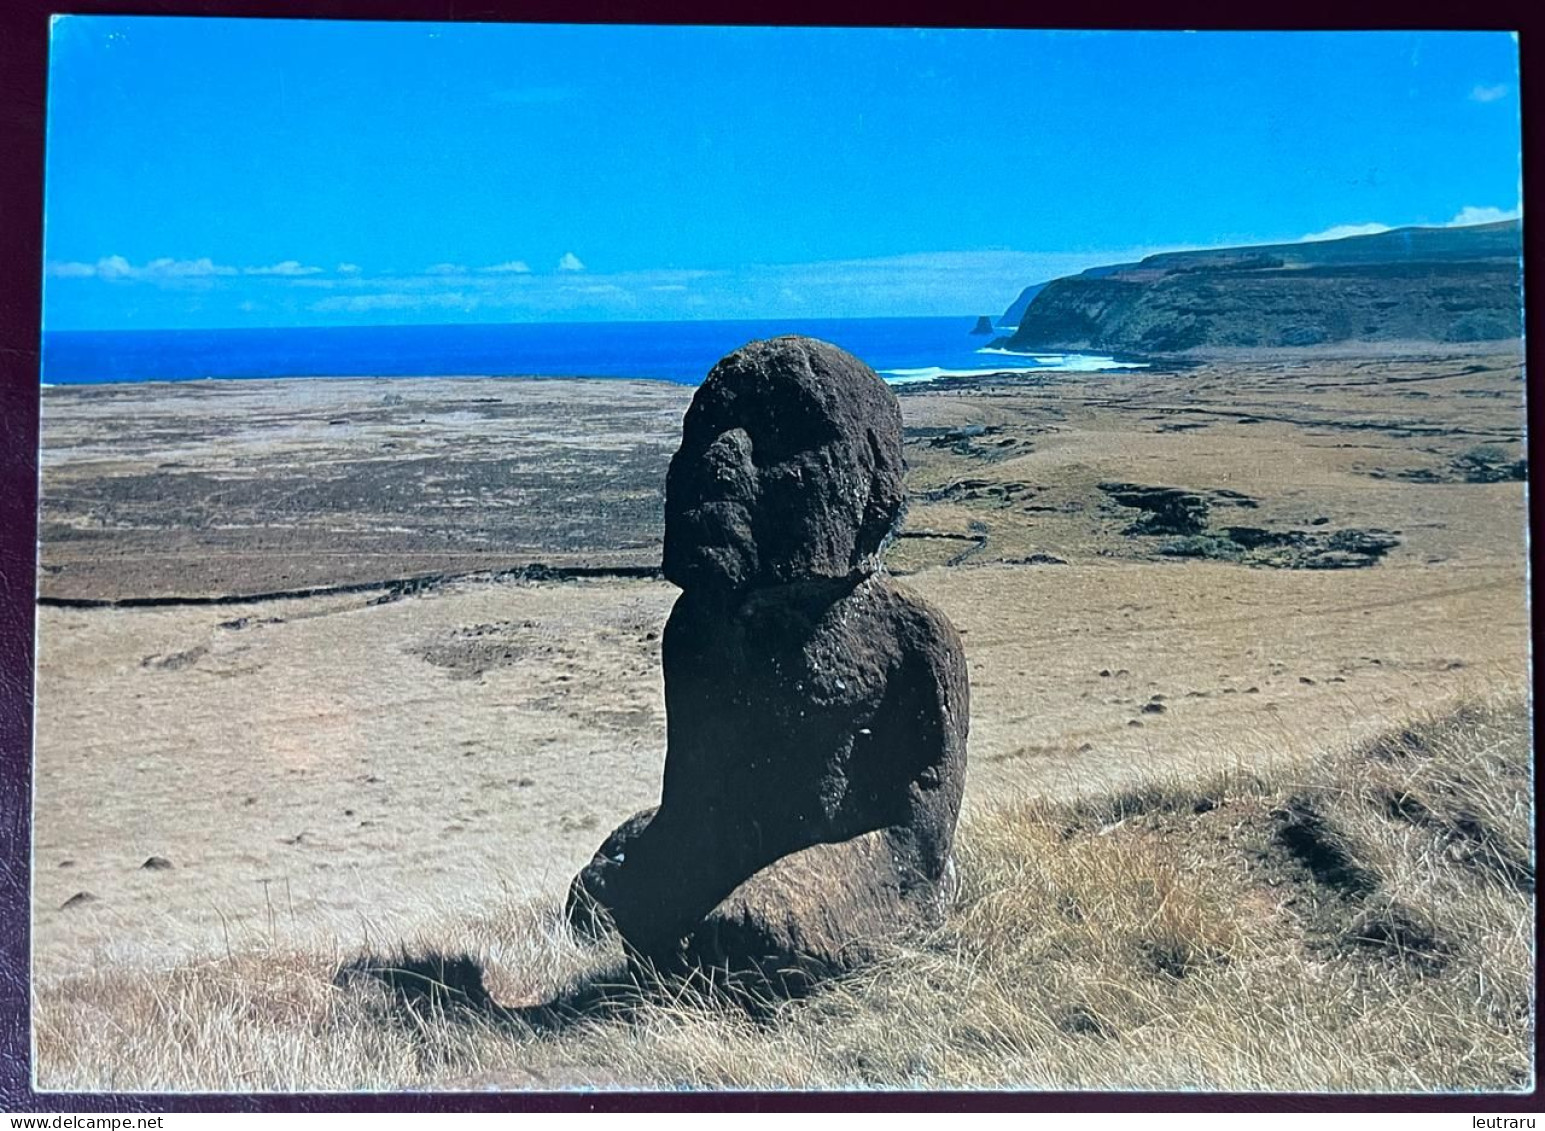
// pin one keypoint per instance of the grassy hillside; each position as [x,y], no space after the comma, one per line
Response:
[1502,240]
[1361,922]
[1423,284]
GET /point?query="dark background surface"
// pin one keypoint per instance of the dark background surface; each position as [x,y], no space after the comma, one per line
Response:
[23,75]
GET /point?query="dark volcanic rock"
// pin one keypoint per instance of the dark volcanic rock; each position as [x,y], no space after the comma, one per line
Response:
[1255,537]
[1168,510]
[1483,466]
[1345,549]
[953,436]
[156,864]
[1203,546]
[1016,311]
[816,710]
[1374,543]
[1183,515]
[999,493]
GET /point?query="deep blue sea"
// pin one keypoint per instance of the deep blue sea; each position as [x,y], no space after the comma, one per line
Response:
[902,349]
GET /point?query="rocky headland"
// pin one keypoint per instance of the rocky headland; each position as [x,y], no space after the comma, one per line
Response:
[1410,284]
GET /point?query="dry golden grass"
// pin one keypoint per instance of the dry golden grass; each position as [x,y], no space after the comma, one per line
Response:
[1361,922]
[388,768]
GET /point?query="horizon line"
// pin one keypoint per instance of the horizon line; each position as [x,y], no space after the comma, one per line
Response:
[561,322]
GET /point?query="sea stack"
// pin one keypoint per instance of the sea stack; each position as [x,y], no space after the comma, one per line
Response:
[983,325]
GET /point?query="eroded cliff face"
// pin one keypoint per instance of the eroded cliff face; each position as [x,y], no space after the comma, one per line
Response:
[1444,285]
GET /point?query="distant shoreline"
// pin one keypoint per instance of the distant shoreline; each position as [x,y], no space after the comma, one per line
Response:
[678,353]
[164,382]
[955,379]
[1151,364]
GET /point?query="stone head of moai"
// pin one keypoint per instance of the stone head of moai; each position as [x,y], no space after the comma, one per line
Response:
[816,711]
[790,467]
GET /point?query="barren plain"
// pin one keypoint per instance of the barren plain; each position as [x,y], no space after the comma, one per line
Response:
[357,659]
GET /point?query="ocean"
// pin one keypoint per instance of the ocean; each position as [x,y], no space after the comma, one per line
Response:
[901,349]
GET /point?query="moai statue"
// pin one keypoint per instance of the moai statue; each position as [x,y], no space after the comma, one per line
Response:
[816,711]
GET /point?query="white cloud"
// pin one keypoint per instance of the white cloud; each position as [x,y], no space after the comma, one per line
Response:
[166,267]
[446,269]
[570,262]
[117,267]
[939,283]
[513,267]
[289,268]
[1483,93]
[72,270]
[1470,214]
[1342,231]
[114,267]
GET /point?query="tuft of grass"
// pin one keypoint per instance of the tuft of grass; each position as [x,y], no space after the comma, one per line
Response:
[1364,922]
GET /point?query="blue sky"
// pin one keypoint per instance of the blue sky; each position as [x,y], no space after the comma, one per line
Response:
[210,173]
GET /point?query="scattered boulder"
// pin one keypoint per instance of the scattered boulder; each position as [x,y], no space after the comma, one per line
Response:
[156,864]
[1256,537]
[1226,497]
[1487,463]
[1371,543]
[79,899]
[1184,515]
[1484,463]
[176,661]
[956,435]
[974,441]
[1202,546]
[1166,510]
[817,711]
[999,493]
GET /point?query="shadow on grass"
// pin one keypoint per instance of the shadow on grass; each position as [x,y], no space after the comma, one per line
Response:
[452,987]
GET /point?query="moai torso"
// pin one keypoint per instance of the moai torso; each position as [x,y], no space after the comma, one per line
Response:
[796,711]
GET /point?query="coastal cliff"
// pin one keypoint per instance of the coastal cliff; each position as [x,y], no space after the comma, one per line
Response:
[1425,284]
[1016,311]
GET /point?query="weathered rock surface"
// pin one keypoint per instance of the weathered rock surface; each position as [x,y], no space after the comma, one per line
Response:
[1184,516]
[816,710]
[790,468]
[1166,510]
